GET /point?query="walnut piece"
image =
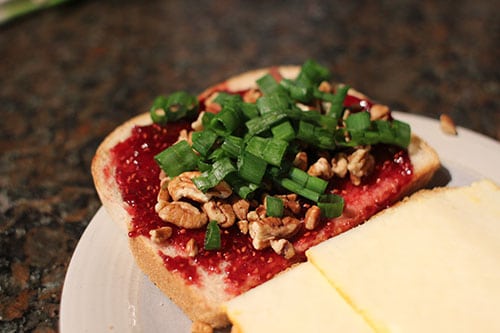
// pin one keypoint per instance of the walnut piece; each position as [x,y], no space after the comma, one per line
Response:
[447,124]
[339,165]
[160,235]
[360,163]
[379,112]
[321,169]
[300,160]
[201,327]
[191,248]
[221,212]
[283,247]
[312,218]
[183,214]
[262,231]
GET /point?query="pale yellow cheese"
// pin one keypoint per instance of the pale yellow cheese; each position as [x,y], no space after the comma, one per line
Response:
[431,264]
[298,300]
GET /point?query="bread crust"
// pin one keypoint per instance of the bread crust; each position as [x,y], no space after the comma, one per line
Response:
[197,303]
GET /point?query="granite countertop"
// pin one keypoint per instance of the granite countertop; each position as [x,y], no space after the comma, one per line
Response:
[70,74]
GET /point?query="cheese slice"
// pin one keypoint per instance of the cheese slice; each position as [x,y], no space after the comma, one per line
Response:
[298,300]
[429,264]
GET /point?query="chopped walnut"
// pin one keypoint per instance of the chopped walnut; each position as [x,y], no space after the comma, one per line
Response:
[283,247]
[251,96]
[240,208]
[183,215]
[161,234]
[264,230]
[201,327]
[379,112]
[210,105]
[339,165]
[221,212]
[325,86]
[197,125]
[447,124]
[300,160]
[191,248]
[243,226]
[360,164]
[321,169]
[184,135]
[312,218]
[163,196]
[291,203]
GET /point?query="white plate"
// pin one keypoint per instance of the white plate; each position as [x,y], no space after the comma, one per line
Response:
[104,291]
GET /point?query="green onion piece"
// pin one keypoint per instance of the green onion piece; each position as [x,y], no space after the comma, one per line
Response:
[305,132]
[337,101]
[204,166]
[283,131]
[402,133]
[260,124]
[294,187]
[256,145]
[274,206]
[268,85]
[298,92]
[203,141]
[316,184]
[251,167]
[177,159]
[273,103]
[232,145]
[249,110]
[331,205]
[227,120]
[241,187]
[223,99]
[217,154]
[299,176]
[176,106]
[212,236]
[358,121]
[274,151]
[209,179]
[206,119]
[312,73]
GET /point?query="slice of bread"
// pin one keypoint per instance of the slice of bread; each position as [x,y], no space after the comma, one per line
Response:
[202,301]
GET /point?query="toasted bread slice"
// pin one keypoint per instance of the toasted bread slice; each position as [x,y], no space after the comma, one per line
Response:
[202,301]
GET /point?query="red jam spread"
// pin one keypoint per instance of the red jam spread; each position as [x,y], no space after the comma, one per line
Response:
[138,177]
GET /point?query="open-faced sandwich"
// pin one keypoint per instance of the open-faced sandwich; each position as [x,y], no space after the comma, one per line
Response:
[221,192]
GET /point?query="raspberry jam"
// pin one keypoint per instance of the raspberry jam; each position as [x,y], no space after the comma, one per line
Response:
[137,175]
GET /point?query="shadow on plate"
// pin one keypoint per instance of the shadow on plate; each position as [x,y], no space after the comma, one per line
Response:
[441,178]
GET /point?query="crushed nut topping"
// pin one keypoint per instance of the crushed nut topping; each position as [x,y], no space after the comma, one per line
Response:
[283,247]
[221,212]
[201,327]
[447,124]
[379,112]
[321,168]
[312,218]
[360,164]
[161,235]
[191,248]
[262,231]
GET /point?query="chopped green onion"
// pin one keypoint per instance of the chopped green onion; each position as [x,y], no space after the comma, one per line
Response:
[232,145]
[304,179]
[312,73]
[227,120]
[337,102]
[402,133]
[241,187]
[359,121]
[209,179]
[298,189]
[273,103]
[274,206]
[249,110]
[174,107]
[283,131]
[212,236]
[251,167]
[177,159]
[260,124]
[268,85]
[203,141]
[331,205]
[302,93]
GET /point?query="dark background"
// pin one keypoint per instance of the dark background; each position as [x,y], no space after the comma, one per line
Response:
[70,74]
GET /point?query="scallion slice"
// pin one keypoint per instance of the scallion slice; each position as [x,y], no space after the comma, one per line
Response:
[212,236]
[174,107]
[283,131]
[177,159]
[274,206]
[331,205]
[251,167]
[203,141]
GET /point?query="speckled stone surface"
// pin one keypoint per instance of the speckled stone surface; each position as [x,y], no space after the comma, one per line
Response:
[70,74]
